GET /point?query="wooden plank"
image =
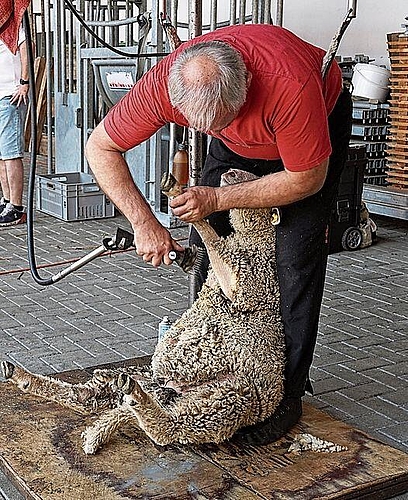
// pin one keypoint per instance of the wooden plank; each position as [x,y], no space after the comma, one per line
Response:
[397,183]
[397,132]
[41,107]
[403,177]
[401,161]
[275,474]
[397,146]
[41,452]
[41,95]
[396,114]
[398,121]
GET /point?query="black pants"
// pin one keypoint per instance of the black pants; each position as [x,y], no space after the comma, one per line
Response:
[302,243]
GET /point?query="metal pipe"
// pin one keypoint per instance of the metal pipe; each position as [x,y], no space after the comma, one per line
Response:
[233,12]
[172,128]
[279,13]
[195,18]
[242,8]
[70,54]
[50,81]
[117,22]
[162,7]
[195,150]
[352,8]
[255,11]
[173,12]
[213,15]
[195,138]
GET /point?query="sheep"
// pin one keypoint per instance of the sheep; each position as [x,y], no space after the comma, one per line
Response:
[217,369]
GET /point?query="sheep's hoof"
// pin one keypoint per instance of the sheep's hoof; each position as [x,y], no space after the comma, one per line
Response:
[125,383]
[90,444]
[103,376]
[7,369]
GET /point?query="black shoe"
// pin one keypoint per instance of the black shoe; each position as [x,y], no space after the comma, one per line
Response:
[274,427]
[10,216]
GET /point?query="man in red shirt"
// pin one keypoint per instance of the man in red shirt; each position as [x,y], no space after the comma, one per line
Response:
[258,91]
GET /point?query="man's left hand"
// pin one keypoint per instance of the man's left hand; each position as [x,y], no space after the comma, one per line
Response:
[195,203]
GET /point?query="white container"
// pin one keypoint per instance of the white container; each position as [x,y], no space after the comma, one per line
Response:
[164,325]
[370,81]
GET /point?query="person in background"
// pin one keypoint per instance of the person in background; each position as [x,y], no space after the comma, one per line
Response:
[258,91]
[14,86]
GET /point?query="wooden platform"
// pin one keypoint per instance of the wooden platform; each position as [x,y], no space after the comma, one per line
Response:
[40,452]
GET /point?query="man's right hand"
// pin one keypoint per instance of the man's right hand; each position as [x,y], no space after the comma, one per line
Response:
[153,243]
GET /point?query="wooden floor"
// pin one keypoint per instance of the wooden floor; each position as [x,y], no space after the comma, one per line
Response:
[40,452]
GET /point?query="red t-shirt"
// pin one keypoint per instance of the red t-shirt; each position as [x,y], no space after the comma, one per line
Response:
[284,116]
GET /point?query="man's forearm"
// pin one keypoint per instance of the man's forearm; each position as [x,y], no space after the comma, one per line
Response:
[24,60]
[274,190]
[113,175]
[278,189]
[153,242]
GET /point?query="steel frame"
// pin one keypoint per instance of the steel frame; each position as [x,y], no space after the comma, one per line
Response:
[75,104]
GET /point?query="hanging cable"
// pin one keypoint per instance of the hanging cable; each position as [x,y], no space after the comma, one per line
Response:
[335,42]
[83,23]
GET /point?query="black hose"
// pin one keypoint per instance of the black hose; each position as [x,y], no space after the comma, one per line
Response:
[33,158]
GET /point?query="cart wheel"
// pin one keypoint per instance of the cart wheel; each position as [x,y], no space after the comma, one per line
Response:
[352,238]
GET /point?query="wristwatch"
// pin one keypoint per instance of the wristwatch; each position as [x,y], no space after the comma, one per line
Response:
[24,82]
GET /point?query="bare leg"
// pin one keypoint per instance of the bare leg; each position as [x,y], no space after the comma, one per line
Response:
[5,188]
[15,177]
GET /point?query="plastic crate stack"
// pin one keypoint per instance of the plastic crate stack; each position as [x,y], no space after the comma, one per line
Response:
[397,149]
[370,129]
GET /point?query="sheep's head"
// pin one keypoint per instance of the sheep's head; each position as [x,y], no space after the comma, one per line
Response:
[246,219]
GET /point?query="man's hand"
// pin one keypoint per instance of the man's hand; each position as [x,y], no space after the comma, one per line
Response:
[195,203]
[153,243]
[20,95]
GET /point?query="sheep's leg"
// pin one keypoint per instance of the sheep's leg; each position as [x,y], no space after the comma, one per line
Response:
[225,277]
[100,432]
[79,397]
[210,413]
[223,272]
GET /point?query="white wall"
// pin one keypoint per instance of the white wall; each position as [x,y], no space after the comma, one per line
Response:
[317,21]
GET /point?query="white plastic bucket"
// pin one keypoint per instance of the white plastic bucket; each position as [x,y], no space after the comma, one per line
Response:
[370,81]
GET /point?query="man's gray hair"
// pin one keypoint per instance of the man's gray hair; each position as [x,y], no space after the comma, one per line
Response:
[207,99]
